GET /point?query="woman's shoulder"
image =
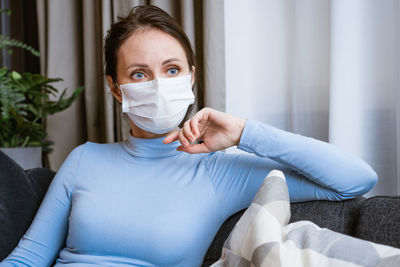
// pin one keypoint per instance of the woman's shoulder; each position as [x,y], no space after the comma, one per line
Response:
[101,146]
[92,149]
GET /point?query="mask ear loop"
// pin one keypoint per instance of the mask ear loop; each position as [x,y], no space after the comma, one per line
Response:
[121,92]
[192,76]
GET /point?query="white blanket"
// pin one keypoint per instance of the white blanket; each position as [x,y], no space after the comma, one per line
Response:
[263,237]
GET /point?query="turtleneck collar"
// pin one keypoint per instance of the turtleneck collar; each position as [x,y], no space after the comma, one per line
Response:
[150,148]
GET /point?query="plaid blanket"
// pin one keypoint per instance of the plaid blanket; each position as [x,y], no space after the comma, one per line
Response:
[263,237]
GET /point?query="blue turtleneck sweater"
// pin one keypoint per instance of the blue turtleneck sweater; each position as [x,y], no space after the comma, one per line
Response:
[143,203]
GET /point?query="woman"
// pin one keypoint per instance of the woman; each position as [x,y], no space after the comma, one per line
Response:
[159,197]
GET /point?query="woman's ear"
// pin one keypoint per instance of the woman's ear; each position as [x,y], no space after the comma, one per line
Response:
[193,76]
[114,89]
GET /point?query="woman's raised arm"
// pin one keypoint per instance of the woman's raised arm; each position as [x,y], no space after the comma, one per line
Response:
[314,169]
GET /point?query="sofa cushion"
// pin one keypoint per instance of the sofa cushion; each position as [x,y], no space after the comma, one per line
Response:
[20,196]
[339,216]
[379,220]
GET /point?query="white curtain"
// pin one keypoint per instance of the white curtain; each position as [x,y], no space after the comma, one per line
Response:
[320,68]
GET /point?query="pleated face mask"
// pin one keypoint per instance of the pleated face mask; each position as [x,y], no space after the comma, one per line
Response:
[157,106]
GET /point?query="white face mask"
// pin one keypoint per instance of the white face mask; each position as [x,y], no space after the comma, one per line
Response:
[157,106]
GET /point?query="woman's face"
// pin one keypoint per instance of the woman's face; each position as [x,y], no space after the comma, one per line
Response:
[149,54]
[146,55]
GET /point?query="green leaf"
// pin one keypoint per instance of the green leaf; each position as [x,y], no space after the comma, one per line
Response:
[25,141]
[7,42]
[3,72]
[16,76]
[61,104]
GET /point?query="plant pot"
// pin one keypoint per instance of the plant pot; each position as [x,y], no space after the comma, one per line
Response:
[26,157]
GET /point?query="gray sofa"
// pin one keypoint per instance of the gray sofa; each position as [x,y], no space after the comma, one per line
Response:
[376,219]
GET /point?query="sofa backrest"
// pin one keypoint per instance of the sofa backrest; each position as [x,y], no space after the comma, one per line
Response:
[339,216]
[379,220]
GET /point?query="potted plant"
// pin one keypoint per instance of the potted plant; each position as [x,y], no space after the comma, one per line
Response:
[24,104]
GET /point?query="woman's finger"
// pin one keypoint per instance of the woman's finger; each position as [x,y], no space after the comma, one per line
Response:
[171,137]
[183,139]
[194,124]
[187,132]
[194,121]
[194,149]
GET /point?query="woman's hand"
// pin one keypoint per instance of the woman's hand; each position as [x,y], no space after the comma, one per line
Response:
[217,130]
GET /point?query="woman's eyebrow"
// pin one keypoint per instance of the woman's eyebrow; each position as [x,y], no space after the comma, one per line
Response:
[141,65]
[170,60]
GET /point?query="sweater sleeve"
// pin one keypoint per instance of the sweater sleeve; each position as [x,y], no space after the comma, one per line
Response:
[46,235]
[314,170]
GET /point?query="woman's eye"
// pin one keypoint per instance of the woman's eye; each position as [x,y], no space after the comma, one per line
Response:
[172,71]
[138,75]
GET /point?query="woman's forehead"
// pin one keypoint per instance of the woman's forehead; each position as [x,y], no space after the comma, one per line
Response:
[151,45]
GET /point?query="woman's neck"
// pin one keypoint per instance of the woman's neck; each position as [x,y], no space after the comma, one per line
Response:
[140,133]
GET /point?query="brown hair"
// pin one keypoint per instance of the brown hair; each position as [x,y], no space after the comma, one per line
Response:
[142,17]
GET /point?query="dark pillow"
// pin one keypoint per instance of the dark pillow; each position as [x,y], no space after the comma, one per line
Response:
[21,193]
[379,220]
